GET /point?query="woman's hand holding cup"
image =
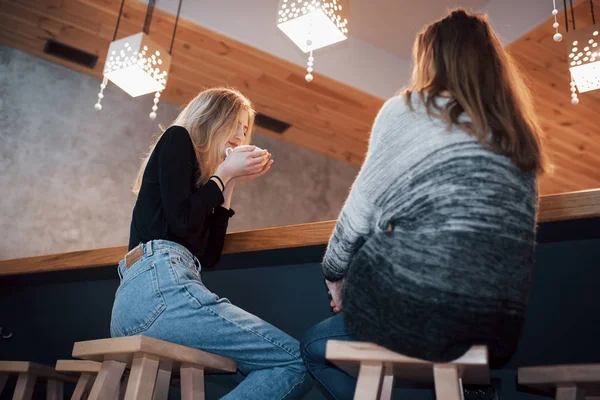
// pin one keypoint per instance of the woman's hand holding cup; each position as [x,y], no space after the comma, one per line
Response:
[244,161]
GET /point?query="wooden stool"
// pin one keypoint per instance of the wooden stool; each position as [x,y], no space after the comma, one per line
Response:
[28,374]
[566,382]
[87,370]
[151,362]
[377,367]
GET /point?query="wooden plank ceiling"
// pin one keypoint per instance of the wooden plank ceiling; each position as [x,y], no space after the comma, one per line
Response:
[326,116]
[572,132]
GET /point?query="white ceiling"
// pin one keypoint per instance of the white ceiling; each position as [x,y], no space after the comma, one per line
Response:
[376,57]
[392,24]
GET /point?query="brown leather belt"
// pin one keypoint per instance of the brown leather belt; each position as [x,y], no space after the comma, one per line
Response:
[133,256]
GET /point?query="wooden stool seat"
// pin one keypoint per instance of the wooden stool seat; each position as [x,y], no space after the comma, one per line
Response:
[87,370]
[376,367]
[566,382]
[151,362]
[28,373]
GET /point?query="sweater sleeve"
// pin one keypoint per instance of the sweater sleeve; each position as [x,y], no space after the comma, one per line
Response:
[186,209]
[350,232]
[357,219]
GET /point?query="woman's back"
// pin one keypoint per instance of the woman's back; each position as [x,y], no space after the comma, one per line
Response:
[447,239]
[415,161]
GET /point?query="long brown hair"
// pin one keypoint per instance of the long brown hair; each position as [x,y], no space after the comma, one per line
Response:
[461,55]
[210,118]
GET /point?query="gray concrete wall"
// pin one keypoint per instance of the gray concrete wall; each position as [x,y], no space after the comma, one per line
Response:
[66,170]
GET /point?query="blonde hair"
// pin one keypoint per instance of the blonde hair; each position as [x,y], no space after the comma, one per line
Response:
[462,55]
[210,118]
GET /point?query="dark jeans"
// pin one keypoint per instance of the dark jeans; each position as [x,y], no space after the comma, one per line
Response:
[335,383]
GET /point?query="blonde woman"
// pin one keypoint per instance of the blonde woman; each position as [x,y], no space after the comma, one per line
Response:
[179,221]
[433,250]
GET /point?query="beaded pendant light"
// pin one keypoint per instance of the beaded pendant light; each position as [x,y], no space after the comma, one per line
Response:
[137,64]
[583,52]
[557,36]
[313,24]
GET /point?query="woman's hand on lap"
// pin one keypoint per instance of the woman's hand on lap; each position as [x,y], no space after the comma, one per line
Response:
[336,309]
[335,291]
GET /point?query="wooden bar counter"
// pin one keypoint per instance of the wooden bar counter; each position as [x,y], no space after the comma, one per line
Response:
[561,207]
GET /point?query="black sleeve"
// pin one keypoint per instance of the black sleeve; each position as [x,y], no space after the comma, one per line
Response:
[187,210]
[218,229]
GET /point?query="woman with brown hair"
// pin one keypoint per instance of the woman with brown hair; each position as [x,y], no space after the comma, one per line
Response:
[433,250]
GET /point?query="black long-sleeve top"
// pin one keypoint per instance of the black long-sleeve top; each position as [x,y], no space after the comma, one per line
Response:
[171,207]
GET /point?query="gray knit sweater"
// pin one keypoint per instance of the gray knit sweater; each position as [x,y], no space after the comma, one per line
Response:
[455,269]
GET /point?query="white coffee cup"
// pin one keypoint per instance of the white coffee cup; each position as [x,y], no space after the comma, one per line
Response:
[230,150]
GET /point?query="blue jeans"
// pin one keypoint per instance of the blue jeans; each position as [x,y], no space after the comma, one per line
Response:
[334,382]
[162,296]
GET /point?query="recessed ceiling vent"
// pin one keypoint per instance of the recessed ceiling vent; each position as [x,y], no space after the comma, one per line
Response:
[271,124]
[71,54]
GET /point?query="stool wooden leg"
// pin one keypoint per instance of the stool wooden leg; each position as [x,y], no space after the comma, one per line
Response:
[3,379]
[571,392]
[142,378]
[163,381]
[108,380]
[83,383]
[192,382]
[448,382]
[24,389]
[387,386]
[54,390]
[369,381]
